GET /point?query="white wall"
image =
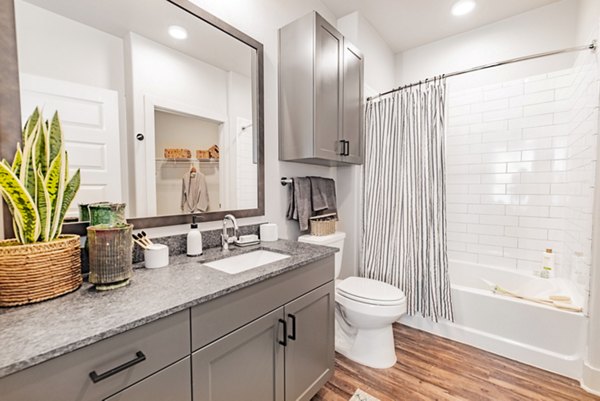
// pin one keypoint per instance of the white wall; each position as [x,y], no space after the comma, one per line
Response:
[587,24]
[520,165]
[242,173]
[547,28]
[84,55]
[379,68]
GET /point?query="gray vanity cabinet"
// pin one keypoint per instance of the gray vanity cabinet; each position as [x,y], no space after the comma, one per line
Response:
[116,362]
[310,346]
[171,383]
[286,355]
[320,94]
[270,341]
[247,364]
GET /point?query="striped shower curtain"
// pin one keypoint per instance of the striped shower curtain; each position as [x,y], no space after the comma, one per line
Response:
[404,219]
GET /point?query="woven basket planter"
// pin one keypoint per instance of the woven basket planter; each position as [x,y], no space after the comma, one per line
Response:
[40,271]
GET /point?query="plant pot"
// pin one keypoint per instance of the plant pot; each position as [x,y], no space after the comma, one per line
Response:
[36,272]
[108,213]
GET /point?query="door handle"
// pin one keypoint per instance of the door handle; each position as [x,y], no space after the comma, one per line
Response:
[293,335]
[139,357]
[284,341]
[346,148]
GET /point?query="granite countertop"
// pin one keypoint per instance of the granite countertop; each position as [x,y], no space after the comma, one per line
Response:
[35,333]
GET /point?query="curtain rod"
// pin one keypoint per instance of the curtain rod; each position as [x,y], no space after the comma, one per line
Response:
[592,46]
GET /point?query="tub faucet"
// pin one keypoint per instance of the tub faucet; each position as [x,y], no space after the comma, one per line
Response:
[225,238]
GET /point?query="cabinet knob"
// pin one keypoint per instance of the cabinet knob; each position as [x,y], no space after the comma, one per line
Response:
[139,136]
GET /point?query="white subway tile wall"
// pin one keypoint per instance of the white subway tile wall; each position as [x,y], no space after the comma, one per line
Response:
[520,170]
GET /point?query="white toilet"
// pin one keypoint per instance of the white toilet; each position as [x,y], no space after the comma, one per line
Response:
[364,313]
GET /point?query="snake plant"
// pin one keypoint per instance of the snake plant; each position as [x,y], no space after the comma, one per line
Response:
[36,186]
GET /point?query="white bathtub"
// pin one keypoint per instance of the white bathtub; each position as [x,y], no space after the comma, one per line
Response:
[531,333]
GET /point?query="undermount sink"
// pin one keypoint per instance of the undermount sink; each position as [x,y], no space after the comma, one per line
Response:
[246,261]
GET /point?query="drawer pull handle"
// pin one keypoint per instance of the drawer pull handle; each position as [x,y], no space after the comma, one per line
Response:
[342,147]
[284,341]
[293,335]
[139,357]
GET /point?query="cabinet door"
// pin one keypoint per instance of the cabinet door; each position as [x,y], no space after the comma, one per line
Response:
[328,90]
[173,383]
[353,108]
[247,364]
[309,355]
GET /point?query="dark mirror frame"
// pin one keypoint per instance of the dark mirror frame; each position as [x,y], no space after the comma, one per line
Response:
[10,115]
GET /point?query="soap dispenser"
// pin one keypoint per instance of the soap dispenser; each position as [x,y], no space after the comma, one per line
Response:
[194,240]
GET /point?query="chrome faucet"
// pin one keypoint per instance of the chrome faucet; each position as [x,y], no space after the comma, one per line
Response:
[225,238]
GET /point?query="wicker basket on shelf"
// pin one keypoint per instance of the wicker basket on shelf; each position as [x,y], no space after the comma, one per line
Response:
[39,271]
[323,225]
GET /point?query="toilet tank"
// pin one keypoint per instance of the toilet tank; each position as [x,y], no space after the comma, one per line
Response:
[335,240]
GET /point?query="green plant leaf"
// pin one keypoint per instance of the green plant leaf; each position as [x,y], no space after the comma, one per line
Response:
[59,194]
[16,164]
[43,207]
[56,145]
[41,151]
[52,183]
[70,192]
[32,122]
[22,205]
[16,229]
[27,171]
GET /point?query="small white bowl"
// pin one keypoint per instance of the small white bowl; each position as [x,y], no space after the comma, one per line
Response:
[156,256]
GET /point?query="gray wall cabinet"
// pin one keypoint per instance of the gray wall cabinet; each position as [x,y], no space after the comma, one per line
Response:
[273,340]
[321,102]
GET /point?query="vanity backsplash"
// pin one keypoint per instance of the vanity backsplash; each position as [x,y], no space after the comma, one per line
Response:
[177,243]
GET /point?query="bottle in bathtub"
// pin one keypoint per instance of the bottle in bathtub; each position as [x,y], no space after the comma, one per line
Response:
[547,264]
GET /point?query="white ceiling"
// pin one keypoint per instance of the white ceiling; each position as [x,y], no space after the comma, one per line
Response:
[151,19]
[405,24]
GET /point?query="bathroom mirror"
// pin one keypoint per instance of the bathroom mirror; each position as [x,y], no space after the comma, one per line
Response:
[161,105]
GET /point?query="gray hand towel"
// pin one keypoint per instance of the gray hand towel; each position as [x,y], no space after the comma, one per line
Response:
[300,202]
[323,195]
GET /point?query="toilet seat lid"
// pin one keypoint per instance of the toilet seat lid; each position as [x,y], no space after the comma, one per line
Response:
[370,291]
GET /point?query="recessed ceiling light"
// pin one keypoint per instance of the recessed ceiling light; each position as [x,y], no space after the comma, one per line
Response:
[178,32]
[463,7]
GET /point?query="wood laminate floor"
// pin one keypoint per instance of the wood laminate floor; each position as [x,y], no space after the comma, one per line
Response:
[434,368]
